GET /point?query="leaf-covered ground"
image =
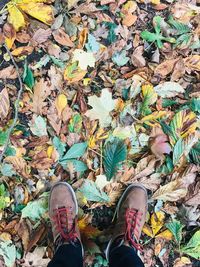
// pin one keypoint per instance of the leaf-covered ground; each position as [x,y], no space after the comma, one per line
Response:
[100,94]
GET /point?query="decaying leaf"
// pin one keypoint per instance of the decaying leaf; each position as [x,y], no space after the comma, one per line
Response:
[4,103]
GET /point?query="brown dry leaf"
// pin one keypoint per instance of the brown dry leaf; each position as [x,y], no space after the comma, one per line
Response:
[114,191]
[82,38]
[19,165]
[173,191]
[145,167]
[41,35]
[179,70]
[137,57]
[23,37]
[165,68]
[53,119]
[62,38]
[86,9]
[56,78]
[194,197]
[24,232]
[151,183]
[129,19]
[192,62]
[35,236]
[22,51]
[8,73]
[9,34]
[41,91]
[4,103]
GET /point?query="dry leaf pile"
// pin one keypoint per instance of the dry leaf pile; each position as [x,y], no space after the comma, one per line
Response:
[100,94]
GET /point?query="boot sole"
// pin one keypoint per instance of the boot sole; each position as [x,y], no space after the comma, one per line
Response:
[118,207]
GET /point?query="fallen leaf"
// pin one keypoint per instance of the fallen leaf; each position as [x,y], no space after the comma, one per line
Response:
[129,19]
[41,36]
[19,165]
[84,59]
[137,57]
[102,106]
[36,9]
[8,73]
[60,103]
[169,89]
[41,91]
[62,38]
[4,103]
[38,126]
[73,73]
[35,258]
[22,51]
[173,191]
[165,68]
[9,34]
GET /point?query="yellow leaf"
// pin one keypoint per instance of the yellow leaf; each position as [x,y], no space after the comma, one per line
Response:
[23,50]
[15,17]
[71,3]
[157,221]
[130,6]
[149,94]
[86,81]
[181,262]
[61,103]
[147,230]
[166,235]
[154,116]
[39,11]
[50,151]
[155,2]
[87,230]
[184,123]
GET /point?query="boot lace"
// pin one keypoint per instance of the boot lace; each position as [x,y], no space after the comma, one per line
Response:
[133,223]
[65,224]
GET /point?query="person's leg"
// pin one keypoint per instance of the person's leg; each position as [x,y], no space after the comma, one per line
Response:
[131,214]
[63,210]
[67,256]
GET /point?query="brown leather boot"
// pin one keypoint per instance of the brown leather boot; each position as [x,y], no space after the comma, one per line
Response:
[131,214]
[63,211]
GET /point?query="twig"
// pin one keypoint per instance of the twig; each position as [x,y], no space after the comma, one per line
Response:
[16,104]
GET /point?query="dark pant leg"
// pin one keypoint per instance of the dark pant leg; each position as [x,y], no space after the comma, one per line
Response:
[124,256]
[67,255]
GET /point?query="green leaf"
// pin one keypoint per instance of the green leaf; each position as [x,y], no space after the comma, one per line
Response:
[3,138]
[79,165]
[112,37]
[157,36]
[4,197]
[36,209]
[28,78]
[193,246]
[76,151]
[195,105]
[39,126]
[178,26]
[92,193]
[176,228]
[8,252]
[59,146]
[7,170]
[178,151]
[194,154]
[114,153]
[120,58]
[75,124]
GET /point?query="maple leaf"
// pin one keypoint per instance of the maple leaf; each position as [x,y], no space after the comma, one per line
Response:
[102,106]
[84,59]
